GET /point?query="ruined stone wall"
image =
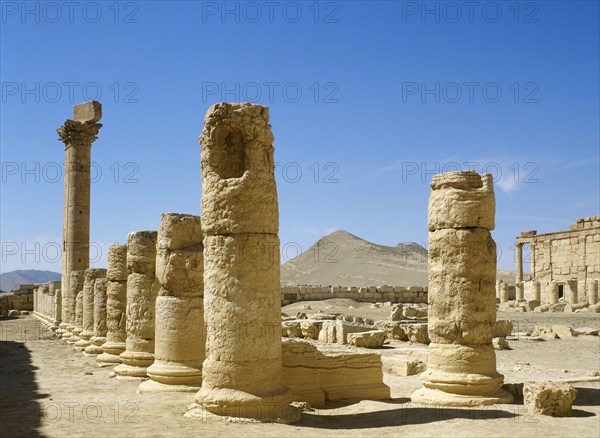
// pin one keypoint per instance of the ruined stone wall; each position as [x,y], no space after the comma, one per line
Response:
[373,294]
[565,256]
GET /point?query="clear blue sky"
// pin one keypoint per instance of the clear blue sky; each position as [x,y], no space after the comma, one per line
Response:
[390,94]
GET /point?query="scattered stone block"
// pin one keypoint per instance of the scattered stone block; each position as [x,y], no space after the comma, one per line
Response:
[319,374]
[310,329]
[503,328]
[13,312]
[585,331]
[549,398]
[500,344]
[370,339]
[402,366]
[563,331]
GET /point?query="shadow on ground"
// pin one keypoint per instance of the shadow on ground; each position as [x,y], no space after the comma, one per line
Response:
[406,413]
[20,412]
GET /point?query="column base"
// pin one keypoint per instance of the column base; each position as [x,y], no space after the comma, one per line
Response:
[93,350]
[82,343]
[111,352]
[150,386]
[175,374]
[134,364]
[437,397]
[225,402]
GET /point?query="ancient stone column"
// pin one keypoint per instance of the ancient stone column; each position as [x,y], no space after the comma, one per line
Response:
[241,376]
[592,291]
[572,296]
[461,368]
[504,293]
[179,333]
[78,321]
[553,292]
[141,302]
[78,135]
[116,303]
[99,332]
[520,291]
[76,279]
[537,291]
[498,289]
[518,262]
[55,304]
[87,321]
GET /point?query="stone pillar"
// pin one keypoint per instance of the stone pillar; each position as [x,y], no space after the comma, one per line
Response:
[518,262]
[141,302]
[87,319]
[499,290]
[78,323]
[242,373]
[116,302]
[537,291]
[592,291]
[520,291]
[99,332]
[461,367]
[553,292]
[504,293]
[571,295]
[78,135]
[55,312]
[76,279]
[180,339]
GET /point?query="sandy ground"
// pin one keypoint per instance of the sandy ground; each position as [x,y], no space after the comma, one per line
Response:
[49,390]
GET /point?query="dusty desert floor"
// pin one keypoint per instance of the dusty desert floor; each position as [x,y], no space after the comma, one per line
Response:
[49,390]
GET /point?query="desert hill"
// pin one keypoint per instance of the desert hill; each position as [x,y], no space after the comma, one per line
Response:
[341,258]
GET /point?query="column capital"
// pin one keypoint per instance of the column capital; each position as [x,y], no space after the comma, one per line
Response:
[73,132]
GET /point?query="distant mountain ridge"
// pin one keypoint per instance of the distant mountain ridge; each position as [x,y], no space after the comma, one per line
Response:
[343,259]
[11,280]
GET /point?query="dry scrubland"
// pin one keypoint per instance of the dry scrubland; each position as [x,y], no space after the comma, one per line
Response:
[47,389]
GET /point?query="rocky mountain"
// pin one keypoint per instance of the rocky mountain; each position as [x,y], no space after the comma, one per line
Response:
[344,259]
[11,280]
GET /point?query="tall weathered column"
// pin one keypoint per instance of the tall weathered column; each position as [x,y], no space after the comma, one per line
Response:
[141,302]
[116,306]
[99,333]
[537,291]
[87,327]
[78,135]
[461,368]
[592,291]
[76,279]
[78,322]
[499,290]
[553,292]
[179,343]
[572,293]
[55,303]
[520,291]
[241,376]
[518,262]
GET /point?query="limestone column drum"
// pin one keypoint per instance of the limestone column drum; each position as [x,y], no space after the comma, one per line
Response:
[76,279]
[87,327]
[99,332]
[461,368]
[141,302]
[116,306]
[241,376]
[78,135]
[78,322]
[179,343]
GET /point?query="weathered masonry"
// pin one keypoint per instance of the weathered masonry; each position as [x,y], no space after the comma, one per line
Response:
[563,264]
